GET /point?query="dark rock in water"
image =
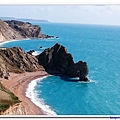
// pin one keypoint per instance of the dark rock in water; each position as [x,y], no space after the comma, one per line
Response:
[58,59]
[40,46]
[30,52]
[57,37]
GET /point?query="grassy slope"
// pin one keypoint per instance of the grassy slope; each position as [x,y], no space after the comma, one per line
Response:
[7,98]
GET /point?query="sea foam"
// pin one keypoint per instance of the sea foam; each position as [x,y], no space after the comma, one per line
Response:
[36,53]
[32,94]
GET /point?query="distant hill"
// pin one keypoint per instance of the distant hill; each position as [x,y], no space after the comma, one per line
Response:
[23,19]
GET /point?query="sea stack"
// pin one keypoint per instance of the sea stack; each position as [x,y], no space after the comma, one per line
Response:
[58,59]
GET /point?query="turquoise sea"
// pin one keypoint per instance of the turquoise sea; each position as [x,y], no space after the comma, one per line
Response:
[99,46]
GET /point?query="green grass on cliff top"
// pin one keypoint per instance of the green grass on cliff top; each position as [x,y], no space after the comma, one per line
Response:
[7,98]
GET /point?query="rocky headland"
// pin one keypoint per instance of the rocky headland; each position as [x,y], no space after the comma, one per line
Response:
[13,29]
[57,60]
[54,60]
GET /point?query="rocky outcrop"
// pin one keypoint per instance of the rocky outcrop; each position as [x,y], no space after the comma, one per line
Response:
[16,60]
[27,30]
[3,69]
[58,59]
[55,59]
[7,33]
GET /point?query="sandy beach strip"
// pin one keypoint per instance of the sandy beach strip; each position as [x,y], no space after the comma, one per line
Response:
[13,40]
[18,84]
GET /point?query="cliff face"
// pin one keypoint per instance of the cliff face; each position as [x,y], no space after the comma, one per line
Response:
[3,69]
[25,29]
[58,59]
[7,33]
[16,60]
[13,29]
[55,58]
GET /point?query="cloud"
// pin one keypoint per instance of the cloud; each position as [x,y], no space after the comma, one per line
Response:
[45,8]
[114,7]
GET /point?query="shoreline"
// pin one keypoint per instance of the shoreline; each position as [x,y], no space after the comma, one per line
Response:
[18,84]
[32,94]
[22,39]
[7,41]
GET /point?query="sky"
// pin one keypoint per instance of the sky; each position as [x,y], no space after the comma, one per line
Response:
[86,14]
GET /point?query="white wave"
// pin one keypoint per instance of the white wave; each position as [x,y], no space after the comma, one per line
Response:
[43,48]
[90,81]
[75,78]
[93,81]
[36,53]
[32,94]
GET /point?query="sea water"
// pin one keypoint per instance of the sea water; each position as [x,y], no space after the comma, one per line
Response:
[99,46]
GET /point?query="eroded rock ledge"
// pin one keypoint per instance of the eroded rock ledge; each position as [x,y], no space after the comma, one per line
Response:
[58,59]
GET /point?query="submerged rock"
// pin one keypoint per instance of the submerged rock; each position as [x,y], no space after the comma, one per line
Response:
[58,59]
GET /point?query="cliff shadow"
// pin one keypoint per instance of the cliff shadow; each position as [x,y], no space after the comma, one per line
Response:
[68,79]
[62,77]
